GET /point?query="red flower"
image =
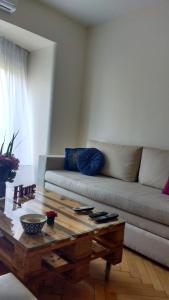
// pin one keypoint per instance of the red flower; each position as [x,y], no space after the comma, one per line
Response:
[8,167]
[9,162]
[51,214]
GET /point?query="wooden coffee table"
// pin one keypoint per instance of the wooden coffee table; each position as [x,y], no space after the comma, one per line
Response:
[66,249]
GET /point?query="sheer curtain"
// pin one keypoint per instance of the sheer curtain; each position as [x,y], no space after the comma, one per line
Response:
[13,99]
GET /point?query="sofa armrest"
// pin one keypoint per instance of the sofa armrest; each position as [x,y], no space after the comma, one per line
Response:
[48,162]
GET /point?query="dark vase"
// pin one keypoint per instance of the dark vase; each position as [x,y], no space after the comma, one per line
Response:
[2,189]
[50,220]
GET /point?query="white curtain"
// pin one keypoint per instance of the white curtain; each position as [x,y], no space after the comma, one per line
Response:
[14,110]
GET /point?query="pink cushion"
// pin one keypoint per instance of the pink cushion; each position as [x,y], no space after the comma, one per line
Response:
[166,188]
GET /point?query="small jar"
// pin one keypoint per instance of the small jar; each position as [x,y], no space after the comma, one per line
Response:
[50,220]
[51,215]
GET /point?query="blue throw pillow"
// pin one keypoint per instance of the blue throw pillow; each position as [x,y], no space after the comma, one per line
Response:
[71,157]
[90,161]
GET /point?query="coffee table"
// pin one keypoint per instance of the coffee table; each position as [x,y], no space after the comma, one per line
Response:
[65,249]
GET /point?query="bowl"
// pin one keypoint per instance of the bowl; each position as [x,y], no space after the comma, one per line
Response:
[33,223]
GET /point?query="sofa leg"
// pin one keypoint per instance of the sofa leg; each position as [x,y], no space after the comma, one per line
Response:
[107,271]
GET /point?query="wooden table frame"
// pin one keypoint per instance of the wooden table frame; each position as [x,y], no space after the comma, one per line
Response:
[68,257]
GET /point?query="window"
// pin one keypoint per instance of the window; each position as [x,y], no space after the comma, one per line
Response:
[14,114]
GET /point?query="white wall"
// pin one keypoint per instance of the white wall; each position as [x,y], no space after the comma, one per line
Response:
[41,65]
[127,90]
[71,40]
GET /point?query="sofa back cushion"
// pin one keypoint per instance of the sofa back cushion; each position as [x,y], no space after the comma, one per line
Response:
[121,161]
[154,169]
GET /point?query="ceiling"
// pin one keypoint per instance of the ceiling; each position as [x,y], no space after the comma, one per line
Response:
[23,38]
[91,12]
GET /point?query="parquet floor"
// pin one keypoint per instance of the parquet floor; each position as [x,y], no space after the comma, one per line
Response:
[136,278]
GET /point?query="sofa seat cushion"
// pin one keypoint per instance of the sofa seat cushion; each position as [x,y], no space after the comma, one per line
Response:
[12,289]
[121,161]
[132,197]
[148,225]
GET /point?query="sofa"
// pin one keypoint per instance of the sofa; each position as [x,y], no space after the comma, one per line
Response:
[130,184]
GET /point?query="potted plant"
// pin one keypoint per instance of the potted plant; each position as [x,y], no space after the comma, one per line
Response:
[51,217]
[8,166]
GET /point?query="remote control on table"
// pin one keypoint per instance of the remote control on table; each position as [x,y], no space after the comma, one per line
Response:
[83,208]
[94,215]
[106,218]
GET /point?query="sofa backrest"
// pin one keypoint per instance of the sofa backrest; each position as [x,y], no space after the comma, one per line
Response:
[121,161]
[154,169]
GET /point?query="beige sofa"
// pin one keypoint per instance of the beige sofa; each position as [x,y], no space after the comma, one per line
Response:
[130,184]
[12,289]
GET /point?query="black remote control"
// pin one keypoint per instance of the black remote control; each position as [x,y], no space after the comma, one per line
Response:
[83,208]
[94,215]
[106,218]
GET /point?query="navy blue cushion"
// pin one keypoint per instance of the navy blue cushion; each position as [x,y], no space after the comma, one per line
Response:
[90,161]
[71,156]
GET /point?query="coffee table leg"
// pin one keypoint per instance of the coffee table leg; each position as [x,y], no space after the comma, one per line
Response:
[107,271]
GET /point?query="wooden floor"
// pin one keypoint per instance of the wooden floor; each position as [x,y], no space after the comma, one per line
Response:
[136,278]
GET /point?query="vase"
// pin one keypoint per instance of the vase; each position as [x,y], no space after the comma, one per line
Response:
[2,190]
[2,195]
